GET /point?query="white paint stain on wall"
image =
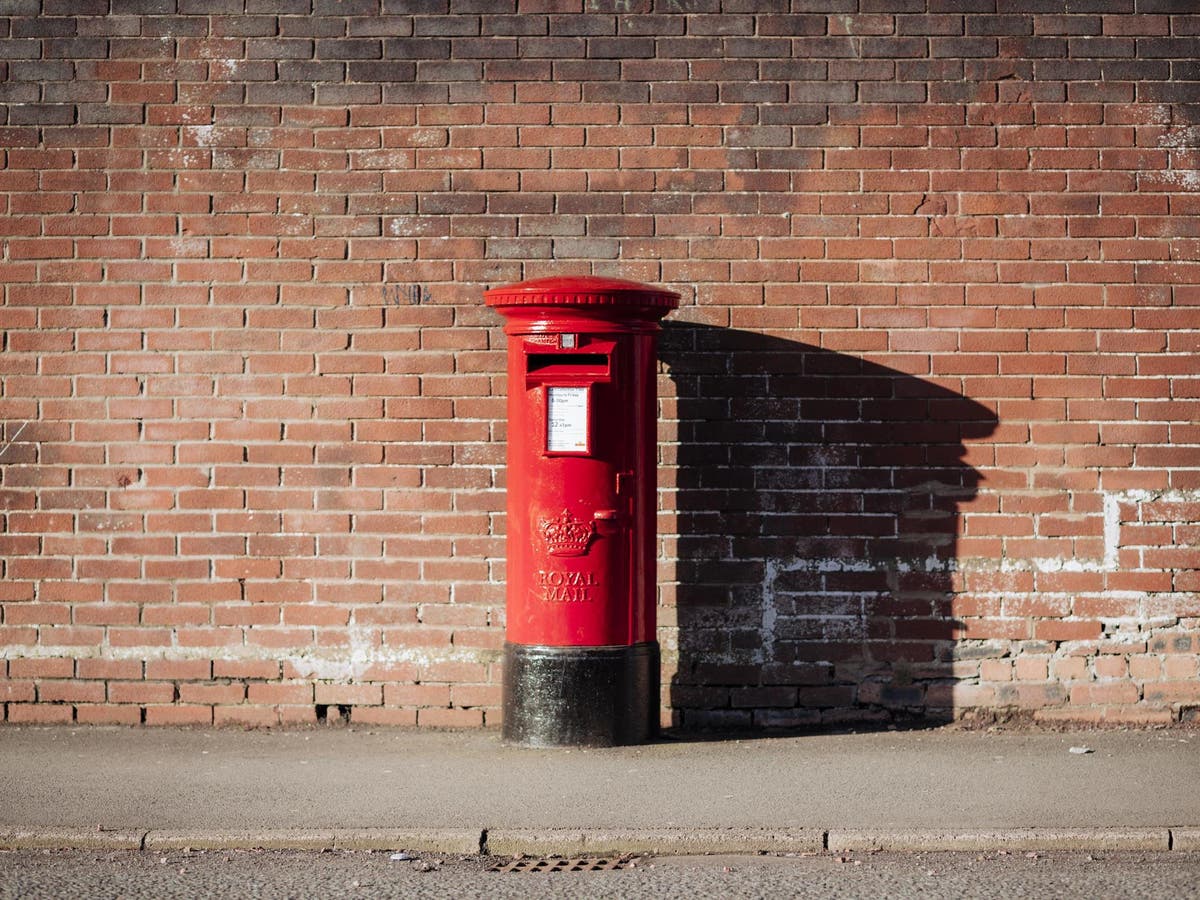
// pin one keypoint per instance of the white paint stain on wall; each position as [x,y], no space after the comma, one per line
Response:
[1186,179]
[765,652]
[350,663]
[201,135]
[1112,503]
[333,664]
[1118,508]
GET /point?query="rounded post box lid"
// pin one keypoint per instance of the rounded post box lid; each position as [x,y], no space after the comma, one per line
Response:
[582,290]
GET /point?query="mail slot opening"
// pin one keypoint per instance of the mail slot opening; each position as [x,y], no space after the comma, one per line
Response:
[568,363]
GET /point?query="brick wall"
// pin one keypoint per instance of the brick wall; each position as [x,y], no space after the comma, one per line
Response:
[929,419]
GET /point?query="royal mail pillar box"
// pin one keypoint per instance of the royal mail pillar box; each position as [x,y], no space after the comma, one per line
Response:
[581,661]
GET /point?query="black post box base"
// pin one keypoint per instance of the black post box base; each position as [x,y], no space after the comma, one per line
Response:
[580,696]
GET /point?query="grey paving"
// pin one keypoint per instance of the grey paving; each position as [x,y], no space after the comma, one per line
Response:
[335,786]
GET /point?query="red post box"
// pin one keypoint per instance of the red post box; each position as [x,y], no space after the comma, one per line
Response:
[581,659]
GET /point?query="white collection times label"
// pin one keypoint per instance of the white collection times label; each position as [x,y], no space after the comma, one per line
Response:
[567,420]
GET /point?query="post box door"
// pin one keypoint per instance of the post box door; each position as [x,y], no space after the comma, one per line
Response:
[578,471]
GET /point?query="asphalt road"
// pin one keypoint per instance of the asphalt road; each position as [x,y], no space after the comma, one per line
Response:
[266,874]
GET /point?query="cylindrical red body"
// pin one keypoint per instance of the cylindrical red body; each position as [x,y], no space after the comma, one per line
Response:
[581,460]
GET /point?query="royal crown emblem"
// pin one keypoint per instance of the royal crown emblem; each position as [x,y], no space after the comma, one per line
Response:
[566,535]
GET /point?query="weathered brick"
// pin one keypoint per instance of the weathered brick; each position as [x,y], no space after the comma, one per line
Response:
[237,438]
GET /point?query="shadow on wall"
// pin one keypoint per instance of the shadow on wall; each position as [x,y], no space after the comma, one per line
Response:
[817,513]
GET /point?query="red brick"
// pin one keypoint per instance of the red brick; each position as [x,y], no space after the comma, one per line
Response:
[248,716]
[140,692]
[378,715]
[179,715]
[18,691]
[419,695]
[178,670]
[41,668]
[1052,630]
[106,714]
[450,718]
[349,694]
[1099,694]
[40,713]
[70,692]
[212,693]
[281,694]
[307,403]
[469,695]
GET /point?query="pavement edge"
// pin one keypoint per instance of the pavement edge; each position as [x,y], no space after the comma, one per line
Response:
[605,841]
[1014,839]
[454,841]
[666,841]
[71,839]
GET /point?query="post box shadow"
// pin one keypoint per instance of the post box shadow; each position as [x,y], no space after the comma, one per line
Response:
[816,498]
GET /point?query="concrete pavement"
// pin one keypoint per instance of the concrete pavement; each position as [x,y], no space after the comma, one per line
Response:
[455,791]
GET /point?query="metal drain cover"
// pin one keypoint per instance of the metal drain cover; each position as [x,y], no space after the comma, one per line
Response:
[561,864]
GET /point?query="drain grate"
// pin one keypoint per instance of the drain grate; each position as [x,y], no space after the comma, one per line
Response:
[563,864]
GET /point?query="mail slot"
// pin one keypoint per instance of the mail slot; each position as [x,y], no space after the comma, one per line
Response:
[592,365]
[581,661]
